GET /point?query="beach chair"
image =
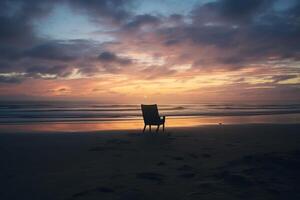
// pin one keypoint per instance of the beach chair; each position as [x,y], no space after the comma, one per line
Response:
[151,117]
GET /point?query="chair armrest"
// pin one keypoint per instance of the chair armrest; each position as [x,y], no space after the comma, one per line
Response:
[163,118]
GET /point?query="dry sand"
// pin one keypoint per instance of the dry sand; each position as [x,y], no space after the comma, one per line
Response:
[209,162]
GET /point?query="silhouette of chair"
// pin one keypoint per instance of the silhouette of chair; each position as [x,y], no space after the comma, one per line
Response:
[151,117]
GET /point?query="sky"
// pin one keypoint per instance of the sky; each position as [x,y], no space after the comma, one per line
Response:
[162,51]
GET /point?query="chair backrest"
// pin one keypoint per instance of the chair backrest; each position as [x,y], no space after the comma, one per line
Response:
[150,113]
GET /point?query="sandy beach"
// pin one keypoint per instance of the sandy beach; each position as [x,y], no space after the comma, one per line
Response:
[205,162]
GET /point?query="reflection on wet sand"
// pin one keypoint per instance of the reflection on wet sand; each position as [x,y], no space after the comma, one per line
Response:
[138,124]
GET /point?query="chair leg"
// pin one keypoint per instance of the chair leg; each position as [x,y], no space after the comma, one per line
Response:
[157,128]
[144,128]
[163,127]
[150,128]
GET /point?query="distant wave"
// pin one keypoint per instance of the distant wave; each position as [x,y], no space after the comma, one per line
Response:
[85,111]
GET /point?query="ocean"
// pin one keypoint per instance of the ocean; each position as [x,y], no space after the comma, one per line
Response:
[67,112]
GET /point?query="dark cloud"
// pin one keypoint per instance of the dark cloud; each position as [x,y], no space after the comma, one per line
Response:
[142,20]
[245,9]
[23,51]
[241,32]
[89,70]
[112,63]
[279,78]
[11,79]
[111,58]
[15,31]
[54,59]
[231,11]
[63,50]
[171,42]
[107,57]
[52,51]
[8,52]
[113,11]
[16,20]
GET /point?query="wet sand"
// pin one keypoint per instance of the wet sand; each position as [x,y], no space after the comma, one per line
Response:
[207,162]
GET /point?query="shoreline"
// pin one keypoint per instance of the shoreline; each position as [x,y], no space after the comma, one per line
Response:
[137,124]
[103,118]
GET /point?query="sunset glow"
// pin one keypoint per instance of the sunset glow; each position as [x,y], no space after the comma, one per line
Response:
[149,51]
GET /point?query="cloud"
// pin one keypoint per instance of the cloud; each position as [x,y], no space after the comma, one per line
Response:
[111,11]
[57,71]
[23,50]
[109,58]
[239,32]
[243,10]
[231,11]
[156,72]
[52,59]
[67,50]
[51,51]
[140,21]
[279,78]
[16,20]
[9,53]
[221,37]
[11,80]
